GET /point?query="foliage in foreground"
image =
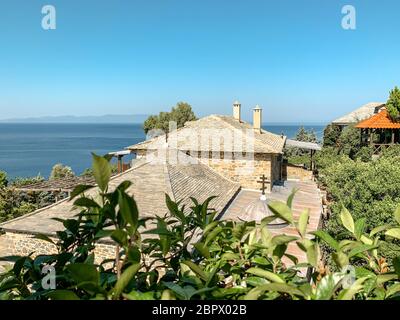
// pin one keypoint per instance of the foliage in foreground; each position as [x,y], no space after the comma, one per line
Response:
[192,256]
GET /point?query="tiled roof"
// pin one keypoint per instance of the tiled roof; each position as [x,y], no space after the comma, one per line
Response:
[151,180]
[203,135]
[359,114]
[380,120]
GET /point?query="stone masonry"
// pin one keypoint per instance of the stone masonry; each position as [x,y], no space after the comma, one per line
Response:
[23,244]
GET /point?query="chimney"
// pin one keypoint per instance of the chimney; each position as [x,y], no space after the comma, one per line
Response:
[236,110]
[257,118]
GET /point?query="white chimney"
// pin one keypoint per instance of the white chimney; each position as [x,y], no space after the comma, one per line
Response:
[257,118]
[236,110]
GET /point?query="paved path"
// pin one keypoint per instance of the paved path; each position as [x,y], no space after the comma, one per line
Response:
[307,197]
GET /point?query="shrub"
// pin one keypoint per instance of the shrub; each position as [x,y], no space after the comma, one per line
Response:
[60,171]
[349,141]
[370,190]
[3,179]
[331,135]
[193,256]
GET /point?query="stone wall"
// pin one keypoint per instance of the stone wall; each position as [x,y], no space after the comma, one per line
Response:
[245,169]
[23,244]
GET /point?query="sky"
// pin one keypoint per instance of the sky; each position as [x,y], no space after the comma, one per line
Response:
[292,57]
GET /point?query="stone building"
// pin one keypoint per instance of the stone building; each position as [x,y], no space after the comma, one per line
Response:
[239,151]
[220,156]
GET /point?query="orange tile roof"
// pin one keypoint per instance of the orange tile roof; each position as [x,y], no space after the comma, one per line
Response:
[381,120]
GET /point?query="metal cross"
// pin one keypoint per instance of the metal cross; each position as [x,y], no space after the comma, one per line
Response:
[263,181]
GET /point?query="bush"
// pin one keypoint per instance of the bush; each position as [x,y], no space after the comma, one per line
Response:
[60,171]
[3,179]
[370,190]
[193,256]
[349,141]
[364,154]
[20,182]
[331,135]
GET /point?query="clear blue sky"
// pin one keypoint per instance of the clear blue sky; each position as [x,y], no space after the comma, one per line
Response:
[138,57]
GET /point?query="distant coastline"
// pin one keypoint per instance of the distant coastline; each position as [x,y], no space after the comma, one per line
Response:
[104,119]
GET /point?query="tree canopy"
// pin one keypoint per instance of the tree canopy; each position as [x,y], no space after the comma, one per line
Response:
[393,104]
[180,114]
[60,171]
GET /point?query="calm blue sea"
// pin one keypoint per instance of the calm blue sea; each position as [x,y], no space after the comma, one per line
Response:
[30,149]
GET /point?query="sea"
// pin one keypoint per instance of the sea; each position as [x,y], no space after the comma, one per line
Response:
[29,149]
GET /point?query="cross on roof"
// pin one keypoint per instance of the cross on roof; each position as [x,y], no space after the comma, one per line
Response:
[263,181]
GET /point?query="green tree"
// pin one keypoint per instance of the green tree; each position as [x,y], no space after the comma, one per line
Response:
[3,179]
[393,104]
[180,114]
[331,135]
[60,171]
[349,141]
[306,135]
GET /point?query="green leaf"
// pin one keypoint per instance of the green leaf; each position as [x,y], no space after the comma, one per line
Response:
[128,209]
[392,290]
[265,274]
[347,220]
[167,295]
[211,236]
[196,269]
[289,200]
[383,278]
[396,265]
[62,295]
[323,235]
[137,295]
[378,229]
[397,215]
[86,202]
[101,171]
[359,249]
[281,210]
[174,209]
[303,221]
[210,226]
[276,287]
[81,272]
[312,255]
[202,248]
[395,233]
[120,237]
[340,259]
[44,238]
[356,287]
[124,280]
[283,239]
[359,227]
[327,287]
[79,190]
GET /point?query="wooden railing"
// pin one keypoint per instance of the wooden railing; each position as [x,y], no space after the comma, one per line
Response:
[380,147]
